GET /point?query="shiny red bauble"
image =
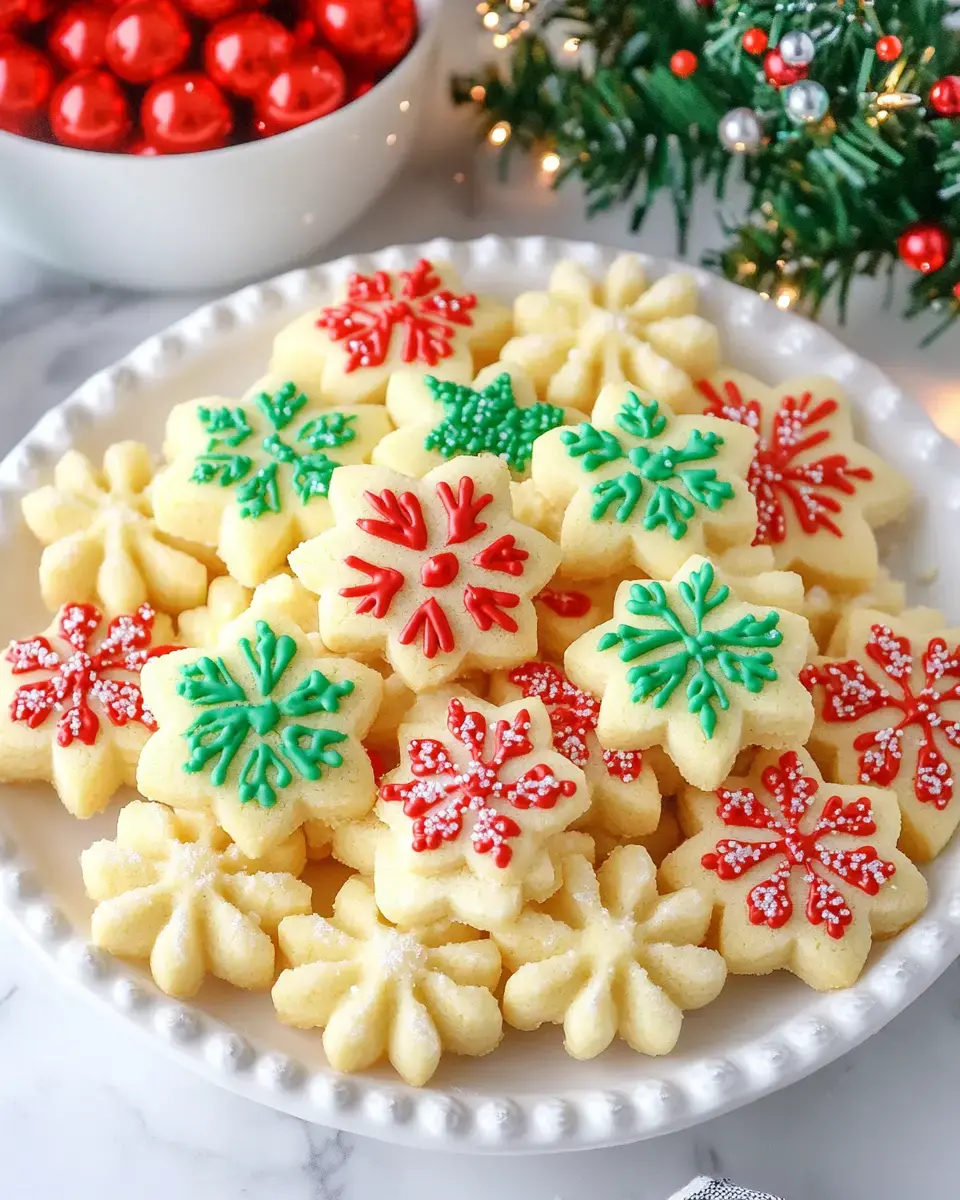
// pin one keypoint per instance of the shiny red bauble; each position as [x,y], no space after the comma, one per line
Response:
[186,113]
[755,40]
[311,85]
[89,111]
[375,32]
[779,73]
[242,54]
[146,40]
[79,36]
[945,96]
[925,247]
[26,80]
[216,10]
[17,13]
[683,63]
[889,48]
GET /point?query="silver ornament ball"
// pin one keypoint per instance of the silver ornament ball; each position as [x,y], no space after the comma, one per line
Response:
[796,48]
[806,102]
[740,130]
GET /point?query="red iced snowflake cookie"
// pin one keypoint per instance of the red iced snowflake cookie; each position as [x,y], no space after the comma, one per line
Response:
[71,709]
[422,319]
[434,573]
[820,494]
[888,714]
[805,874]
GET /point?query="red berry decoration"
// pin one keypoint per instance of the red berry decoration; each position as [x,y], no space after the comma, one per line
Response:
[186,113]
[26,80]
[216,10]
[945,96]
[683,63]
[79,36]
[89,111]
[755,40]
[779,73]
[242,54]
[925,247]
[377,33]
[889,48]
[311,85]
[146,40]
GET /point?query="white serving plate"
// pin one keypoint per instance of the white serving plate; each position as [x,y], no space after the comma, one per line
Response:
[759,1036]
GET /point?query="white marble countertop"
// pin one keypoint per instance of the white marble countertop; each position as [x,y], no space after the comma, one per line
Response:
[88,1110]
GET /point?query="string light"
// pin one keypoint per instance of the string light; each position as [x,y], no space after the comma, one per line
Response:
[500,41]
[898,100]
[786,296]
[499,133]
[478,93]
[518,6]
[483,8]
[550,163]
[491,20]
[571,45]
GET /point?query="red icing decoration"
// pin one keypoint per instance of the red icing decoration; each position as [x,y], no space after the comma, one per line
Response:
[502,555]
[775,475]
[83,674]
[441,794]
[486,607]
[566,604]
[402,521]
[768,902]
[439,570]
[425,315]
[462,511]
[377,595]
[437,634]
[850,693]
[573,717]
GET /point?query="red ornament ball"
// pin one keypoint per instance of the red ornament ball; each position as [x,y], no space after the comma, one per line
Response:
[945,96]
[779,73]
[311,85]
[361,87]
[89,111]
[146,40]
[186,113]
[26,80]
[889,48]
[683,63]
[375,32]
[14,13]
[925,247]
[79,36]
[243,53]
[755,40]
[143,149]
[216,10]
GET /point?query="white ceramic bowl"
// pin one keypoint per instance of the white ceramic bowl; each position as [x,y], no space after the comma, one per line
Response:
[192,221]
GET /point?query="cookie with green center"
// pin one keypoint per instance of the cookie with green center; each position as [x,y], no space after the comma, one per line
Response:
[686,664]
[261,731]
[640,486]
[438,419]
[251,478]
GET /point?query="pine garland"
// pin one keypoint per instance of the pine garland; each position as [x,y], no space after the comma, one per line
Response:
[830,198]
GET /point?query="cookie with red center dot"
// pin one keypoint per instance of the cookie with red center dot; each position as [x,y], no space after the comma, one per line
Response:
[820,493]
[420,318]
[434,574]
[887,704]
[71,709]
[803,875]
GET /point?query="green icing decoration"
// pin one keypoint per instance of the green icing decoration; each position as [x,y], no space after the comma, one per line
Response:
[259,492]
[672,507]
[276,746]
[488,421]
[697,648]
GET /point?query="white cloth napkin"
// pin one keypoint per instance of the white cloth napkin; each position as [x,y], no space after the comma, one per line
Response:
[719,1189]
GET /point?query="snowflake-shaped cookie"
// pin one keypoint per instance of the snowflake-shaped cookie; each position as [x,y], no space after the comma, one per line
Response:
[820,494]
[479,791]
[260,730]
[577,337]
[418,319]
[638,485]
[607,957]
[888,714]
[434,573]
[173,889]
[826,611]
[252,478]
[804,874]
[227,600]
[687,665]
[101,543]
[626,796]
[438,419]
[378,991]
[71,709]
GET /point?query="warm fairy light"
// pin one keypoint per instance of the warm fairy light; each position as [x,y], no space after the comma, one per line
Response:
[898,100]
[500,41]
[928,53]
[478,93]
[499,133]
[518,5]
[550,163]
[786,296]
[764,295]
[483,8]
[571,45]
[746,269]
[491,20]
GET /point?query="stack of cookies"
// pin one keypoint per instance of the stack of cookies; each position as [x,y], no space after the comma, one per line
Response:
[483,666]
